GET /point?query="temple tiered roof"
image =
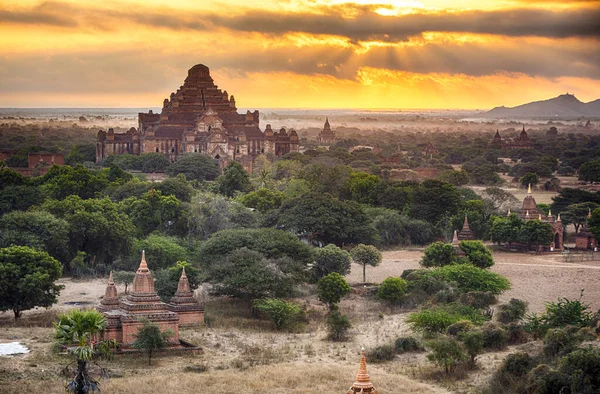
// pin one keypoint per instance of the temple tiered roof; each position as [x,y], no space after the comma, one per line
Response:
[466,234]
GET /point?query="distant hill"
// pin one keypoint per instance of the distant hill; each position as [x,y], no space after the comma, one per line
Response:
[563,106]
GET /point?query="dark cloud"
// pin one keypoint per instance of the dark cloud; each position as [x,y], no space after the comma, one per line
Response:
[362,24]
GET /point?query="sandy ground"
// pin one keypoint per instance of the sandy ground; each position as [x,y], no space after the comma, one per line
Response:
[536,279]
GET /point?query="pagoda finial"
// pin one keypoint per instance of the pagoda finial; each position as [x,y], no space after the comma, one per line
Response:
[183,287]
[110,279]
[455,238]
[508,213]
[527,214]
[466,223]
[540,216]
[589,216]
[549,213]
[143,264]
[363,380]
[529,189]
[558,219]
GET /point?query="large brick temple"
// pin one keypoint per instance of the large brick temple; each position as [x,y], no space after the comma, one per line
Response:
[199,118]
[126,316]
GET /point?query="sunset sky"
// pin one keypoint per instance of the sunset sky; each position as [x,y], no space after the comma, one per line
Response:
[300,53]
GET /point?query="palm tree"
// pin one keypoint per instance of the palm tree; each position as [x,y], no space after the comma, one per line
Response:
[77,331]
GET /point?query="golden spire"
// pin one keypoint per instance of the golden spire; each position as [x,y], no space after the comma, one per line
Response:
[549,213]
[527,214]
[508,213]
[529,189]
[363,380]
[558,219]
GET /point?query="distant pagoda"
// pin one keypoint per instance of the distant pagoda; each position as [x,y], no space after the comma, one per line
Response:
[466,234]
[363,380]
[326,136]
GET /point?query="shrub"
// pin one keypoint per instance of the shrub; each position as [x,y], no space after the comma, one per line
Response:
[437,319]
[392,290]
[560,341]
[582,368]
[513,311]
[460,327]
[567,312]
[478,299]
[446,352]
[516,334]
[407,344]
[337,325]
[330,259]
[284,314]
[438,254]
[477,253]
[543,379]
[473,341]
[382,353]
[517,364]
[332,288]
[494,336]
[470,278]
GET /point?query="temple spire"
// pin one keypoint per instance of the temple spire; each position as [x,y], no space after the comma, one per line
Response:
[143,265]
[184,285]
[508,213]
[527,214]
[589,216]
[529,189]
[558,219]
[455,238]
[363,380]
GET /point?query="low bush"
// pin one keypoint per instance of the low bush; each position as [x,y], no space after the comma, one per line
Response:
[459,327]
[495,336]
[407,344]
[516,334]
[478,299]
[470,278]
[382,353]
[337,325]
[560,341]
[446,352]
[391,290]
[473,341]
[437,319]
[513,311]
[283,314]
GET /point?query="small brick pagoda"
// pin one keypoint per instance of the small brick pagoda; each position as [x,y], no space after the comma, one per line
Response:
[584,239]
[143,303]
[466,234]
[363,380]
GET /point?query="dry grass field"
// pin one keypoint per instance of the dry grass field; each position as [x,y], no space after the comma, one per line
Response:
[243,355]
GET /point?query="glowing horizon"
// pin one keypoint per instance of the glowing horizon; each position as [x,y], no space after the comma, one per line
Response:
[300,54]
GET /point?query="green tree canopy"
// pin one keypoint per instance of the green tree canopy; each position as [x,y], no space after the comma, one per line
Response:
[161,252]
[392,289]
[27,279]
[438,254]
[63,181]
[470,278]
[506,229]
[590,171]
[262,199]
[363,187]
[194,166]
[530,178]
[154,211]
[332,288]
[330,259]
[536,232]
[20,197]
[477,253]
[577,214]
[366,255]
[96,226]
[324,218]
[234,179]
[37,229]
[433,200]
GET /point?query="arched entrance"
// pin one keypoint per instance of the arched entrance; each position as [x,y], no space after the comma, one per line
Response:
[557,241]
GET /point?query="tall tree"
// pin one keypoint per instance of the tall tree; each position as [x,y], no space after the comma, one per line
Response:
[577,214]
[27,279]
[366,255]
[434,200]
[234,179]
[590,171]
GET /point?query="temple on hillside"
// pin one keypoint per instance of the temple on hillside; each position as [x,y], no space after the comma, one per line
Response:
[199,118]
[466,234]
[126,316]
[363,380]
[326,136]
[521,142]
[585,239]
[529,211]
